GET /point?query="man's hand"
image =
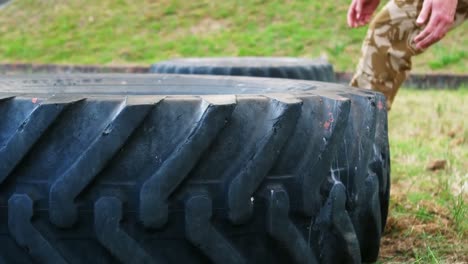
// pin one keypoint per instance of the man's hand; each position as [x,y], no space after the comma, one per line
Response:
[360,12]
[440,14]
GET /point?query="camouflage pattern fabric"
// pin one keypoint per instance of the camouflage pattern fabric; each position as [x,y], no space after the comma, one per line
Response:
[388,47]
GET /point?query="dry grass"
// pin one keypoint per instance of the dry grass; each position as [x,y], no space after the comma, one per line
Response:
[428,218]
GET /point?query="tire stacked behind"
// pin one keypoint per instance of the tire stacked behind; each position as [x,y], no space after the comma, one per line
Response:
[289,68]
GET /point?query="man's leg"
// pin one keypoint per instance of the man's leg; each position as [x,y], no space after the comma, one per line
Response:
[388,47]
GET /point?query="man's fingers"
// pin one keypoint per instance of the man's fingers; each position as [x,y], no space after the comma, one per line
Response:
[431,27]
[424,14]
[363,20]
[352,14]
[423,34]
[367,18]
[434,31]
[432,38]
[358,14]
[440,14]
[358,9]
[426,42]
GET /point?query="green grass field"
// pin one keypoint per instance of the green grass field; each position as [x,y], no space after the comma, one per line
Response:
[428,216]
[142,32]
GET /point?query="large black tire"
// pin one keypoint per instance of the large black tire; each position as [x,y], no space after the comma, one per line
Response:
[189,169]
[3,3]
[319,70]
[289,68]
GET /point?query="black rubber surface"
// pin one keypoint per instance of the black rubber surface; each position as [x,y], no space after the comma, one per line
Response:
[4,3]
[290,68]
[190,169]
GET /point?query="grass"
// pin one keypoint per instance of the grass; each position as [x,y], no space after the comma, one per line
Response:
[428,220]
[142,32]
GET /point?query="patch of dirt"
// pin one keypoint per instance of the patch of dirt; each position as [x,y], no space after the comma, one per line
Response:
[454,132]
[208,26]
[436,165]
[396,244]
[406,235]
[457,142]
[200,28]
[404,238]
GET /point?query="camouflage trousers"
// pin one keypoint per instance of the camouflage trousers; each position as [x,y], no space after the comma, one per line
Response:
[388,47]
